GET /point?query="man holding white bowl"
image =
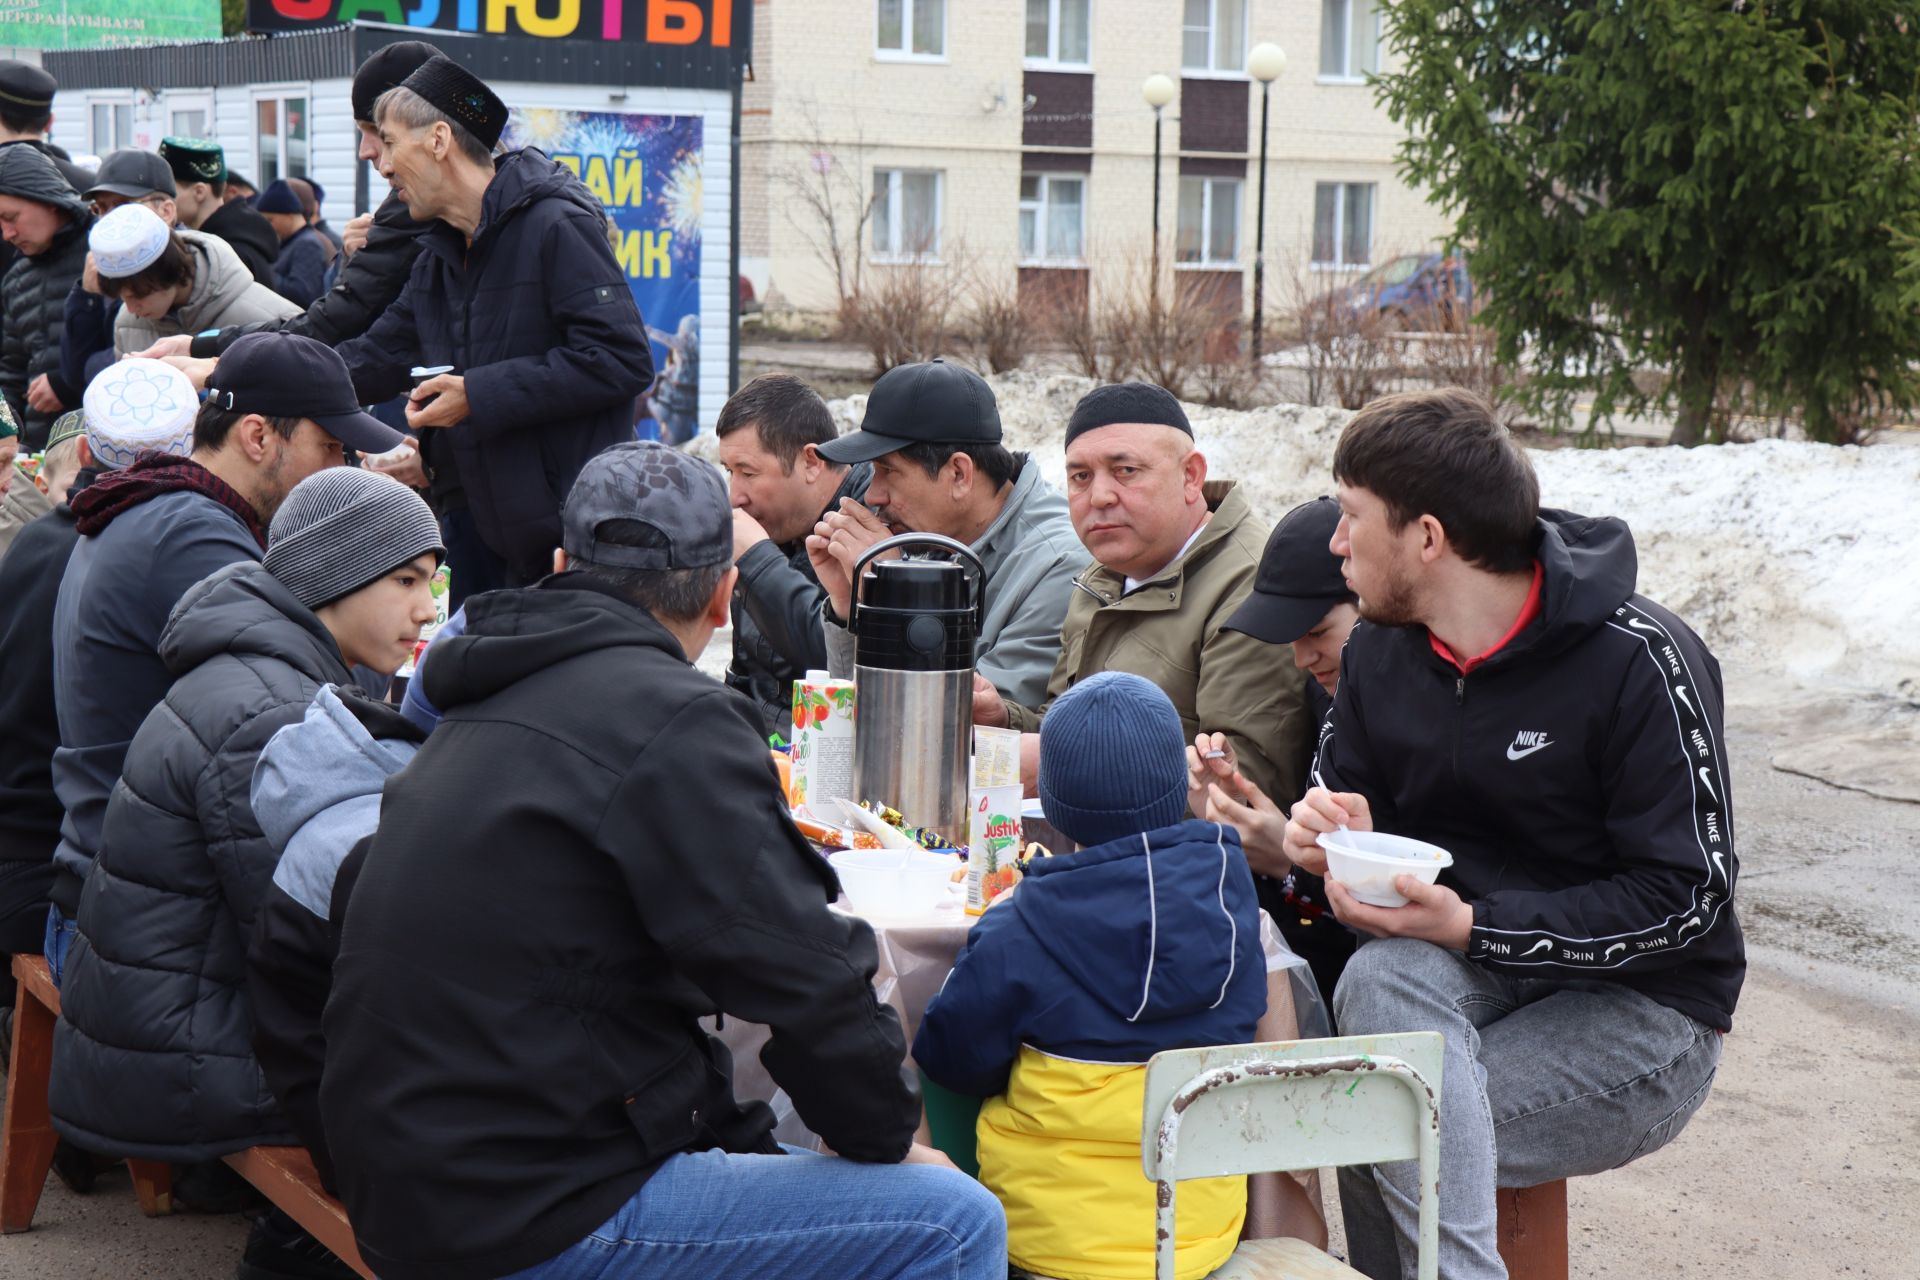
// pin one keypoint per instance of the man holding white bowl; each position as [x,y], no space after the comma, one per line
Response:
[1581,954]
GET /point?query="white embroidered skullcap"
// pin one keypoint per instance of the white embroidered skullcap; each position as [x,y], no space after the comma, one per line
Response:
[128,241]
[134,405]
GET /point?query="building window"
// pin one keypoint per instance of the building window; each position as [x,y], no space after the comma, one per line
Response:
[280,147]
[1053,219]
[912,29]
[189,124]
[1213,36]
[906,214]
[1349,39]
[1209,231]
[1057,32]
[1342,224]
[112,126]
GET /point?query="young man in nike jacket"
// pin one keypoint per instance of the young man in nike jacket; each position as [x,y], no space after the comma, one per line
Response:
[1509,697]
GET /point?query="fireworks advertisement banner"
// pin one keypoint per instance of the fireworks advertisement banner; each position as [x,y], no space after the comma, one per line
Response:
[646,170]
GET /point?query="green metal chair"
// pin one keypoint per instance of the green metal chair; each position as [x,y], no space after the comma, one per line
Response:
[1301,1104]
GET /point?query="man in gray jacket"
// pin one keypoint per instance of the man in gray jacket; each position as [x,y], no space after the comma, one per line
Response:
[932,433]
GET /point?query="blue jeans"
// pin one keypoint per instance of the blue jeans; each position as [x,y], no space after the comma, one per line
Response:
[710,1215]
[1542,1080]
[60,935]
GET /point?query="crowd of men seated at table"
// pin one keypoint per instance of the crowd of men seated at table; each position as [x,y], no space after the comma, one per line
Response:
[460,948]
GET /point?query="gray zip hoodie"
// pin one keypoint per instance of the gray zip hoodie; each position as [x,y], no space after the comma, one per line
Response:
[316,793]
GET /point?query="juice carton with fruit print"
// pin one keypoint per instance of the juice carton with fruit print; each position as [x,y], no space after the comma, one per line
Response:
[439,584]
[993,845]
[823,711]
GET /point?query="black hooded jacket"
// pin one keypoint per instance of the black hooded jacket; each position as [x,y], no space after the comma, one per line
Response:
[538,318]
[153,1054]
[79,178]
[777,604]
[251,235]
[369,282]
[33,293]
[589,854]
[1579,778]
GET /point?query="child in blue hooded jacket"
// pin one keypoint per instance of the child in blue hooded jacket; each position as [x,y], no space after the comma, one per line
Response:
[1147,939]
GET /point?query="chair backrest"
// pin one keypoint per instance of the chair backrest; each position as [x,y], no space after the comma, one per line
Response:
[1296,1104]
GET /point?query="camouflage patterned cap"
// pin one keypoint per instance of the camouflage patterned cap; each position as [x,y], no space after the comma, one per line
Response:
[680,500]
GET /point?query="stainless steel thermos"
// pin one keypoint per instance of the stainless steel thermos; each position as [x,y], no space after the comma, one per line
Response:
[915,622]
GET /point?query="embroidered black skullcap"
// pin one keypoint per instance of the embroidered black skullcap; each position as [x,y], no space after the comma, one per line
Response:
[1127,402]
[462,95]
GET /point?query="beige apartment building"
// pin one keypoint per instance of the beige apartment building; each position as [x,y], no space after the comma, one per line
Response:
[1011,138]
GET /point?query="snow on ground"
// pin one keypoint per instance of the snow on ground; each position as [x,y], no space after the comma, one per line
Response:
[1796,559]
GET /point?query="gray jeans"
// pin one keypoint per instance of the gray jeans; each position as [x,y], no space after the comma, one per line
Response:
[1542,1080]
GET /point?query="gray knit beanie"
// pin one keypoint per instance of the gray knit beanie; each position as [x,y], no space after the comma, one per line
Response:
[1113,760]
[342,528]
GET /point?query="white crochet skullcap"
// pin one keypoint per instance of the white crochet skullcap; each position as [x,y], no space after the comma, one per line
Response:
[135,405]
[128,241]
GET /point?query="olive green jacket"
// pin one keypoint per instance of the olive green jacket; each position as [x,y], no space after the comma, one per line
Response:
[1168,630]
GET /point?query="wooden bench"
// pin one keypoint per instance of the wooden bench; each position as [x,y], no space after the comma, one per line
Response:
[1533,1231]
[284,1175]
[27,1137]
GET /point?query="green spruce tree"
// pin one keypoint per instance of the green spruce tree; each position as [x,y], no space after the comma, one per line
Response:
[1725,191]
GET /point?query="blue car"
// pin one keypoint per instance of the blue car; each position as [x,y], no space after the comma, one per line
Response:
[1413,291]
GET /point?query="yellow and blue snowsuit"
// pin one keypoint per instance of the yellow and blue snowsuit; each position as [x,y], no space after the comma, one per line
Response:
[1100,960]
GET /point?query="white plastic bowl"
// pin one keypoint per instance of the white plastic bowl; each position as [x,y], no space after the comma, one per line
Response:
[894,882]
[1366,862]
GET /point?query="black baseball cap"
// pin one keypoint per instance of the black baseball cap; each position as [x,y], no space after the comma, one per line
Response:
[133,174]
[1299,579]
[674,507]
[930,403]
[287,375]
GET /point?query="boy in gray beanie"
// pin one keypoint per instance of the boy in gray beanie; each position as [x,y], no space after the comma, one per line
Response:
[155,1045]
[1146,939]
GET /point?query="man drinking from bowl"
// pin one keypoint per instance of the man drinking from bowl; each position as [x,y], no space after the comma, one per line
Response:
[1508,697]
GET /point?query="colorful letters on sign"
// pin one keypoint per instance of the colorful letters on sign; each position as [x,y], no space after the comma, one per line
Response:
[708,23]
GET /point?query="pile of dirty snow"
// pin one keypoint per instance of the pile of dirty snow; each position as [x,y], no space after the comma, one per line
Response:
[1799,559]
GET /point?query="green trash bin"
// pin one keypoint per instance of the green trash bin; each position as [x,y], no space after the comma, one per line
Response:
[951,1118]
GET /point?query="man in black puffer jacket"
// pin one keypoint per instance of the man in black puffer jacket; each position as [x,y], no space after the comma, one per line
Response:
[47,221]
[153,1054]
[517,290]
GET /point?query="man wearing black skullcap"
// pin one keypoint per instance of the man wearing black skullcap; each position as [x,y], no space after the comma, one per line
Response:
[380,246]
[1174,554]
[518,292]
